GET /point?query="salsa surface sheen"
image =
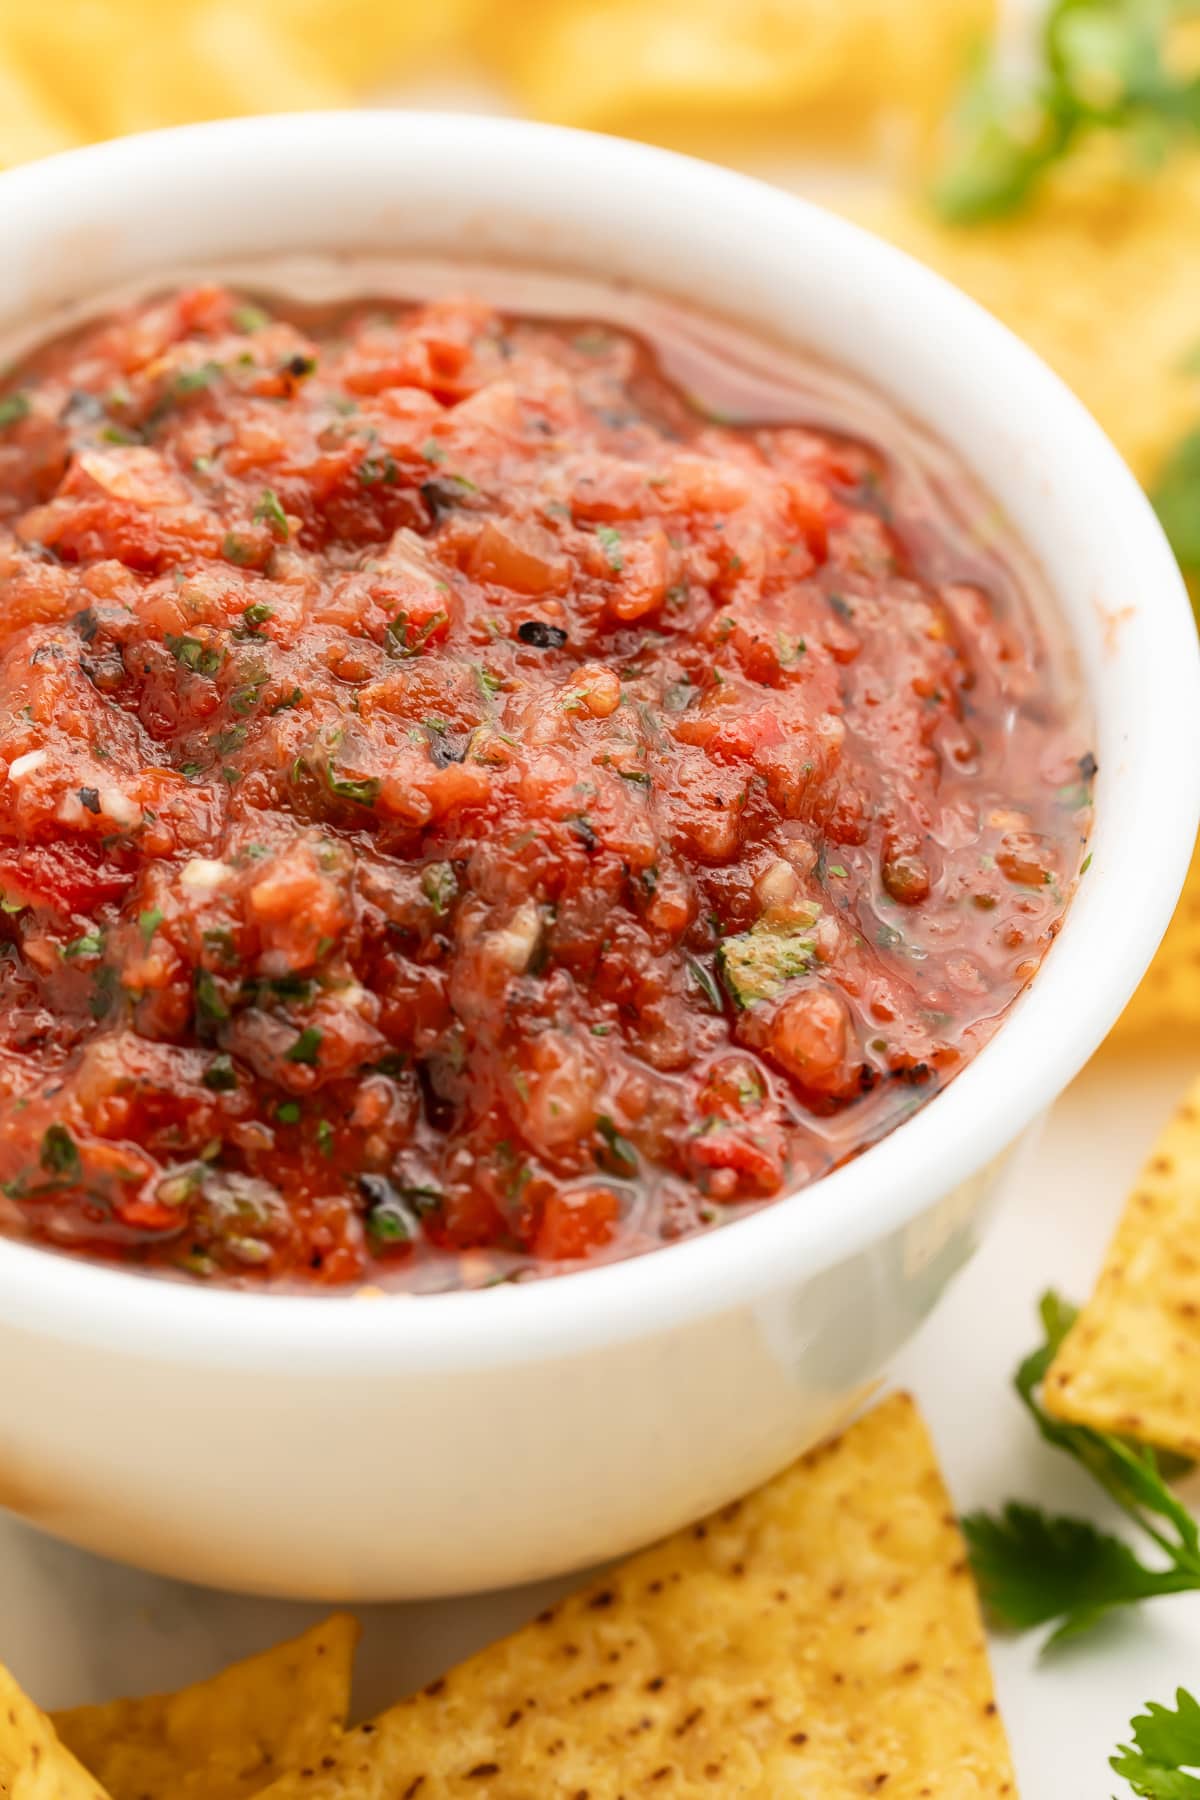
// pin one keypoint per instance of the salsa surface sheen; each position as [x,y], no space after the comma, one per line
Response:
[466,810]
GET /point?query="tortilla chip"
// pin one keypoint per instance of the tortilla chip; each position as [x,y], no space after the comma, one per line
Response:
[1131,1362]
[227,1737]
[821,1637]
[1098,250]
[34,1765]
[1168,1000]
[659,68]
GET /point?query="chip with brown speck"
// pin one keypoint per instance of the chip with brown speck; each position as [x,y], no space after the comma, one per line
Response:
[34,1763]
[1131,1362]
[225,1738]
[701,1648]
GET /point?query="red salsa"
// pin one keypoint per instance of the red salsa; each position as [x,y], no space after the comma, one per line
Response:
[466,809]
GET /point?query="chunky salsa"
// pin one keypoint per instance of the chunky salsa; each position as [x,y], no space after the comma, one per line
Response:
[466,809]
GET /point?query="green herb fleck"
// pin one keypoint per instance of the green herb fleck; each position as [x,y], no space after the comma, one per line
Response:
[250,319]
[306,1047]
[194,381]
[618,1152]
[403,639]
[706,981]
[59,1155]
[363,790]
[269,511]
[13,408]
[220,1075]
[90,944]
[191,654]
[211,1009]
[610,541]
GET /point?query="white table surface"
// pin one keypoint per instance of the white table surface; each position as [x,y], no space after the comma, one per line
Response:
[74,1628]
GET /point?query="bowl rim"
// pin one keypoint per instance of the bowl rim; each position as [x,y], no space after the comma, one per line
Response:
[1055,1026]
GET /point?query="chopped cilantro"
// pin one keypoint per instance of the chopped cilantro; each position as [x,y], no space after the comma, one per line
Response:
[194,381]
[618,1152]
[220,1075]
[373,469]
[306,1046]
[288,1112]
[250,319]
[402,638]
[363,790]
[59,1154]
[270,512]
[191,654]
[211,1009]
[610,540]
[90,944]
[705,980]
[13,408]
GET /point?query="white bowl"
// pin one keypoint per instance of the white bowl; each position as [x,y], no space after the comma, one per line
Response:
[406,1447]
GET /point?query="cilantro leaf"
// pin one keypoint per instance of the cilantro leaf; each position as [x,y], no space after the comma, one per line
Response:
[1099,64]
[1176,500]
[1034,1568]
[1165,1744]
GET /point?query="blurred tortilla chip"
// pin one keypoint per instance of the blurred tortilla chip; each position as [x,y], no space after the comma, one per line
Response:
[32,123]
[34,1764]
[651,67]
[1099,255]
[228,1737]
[1131,1362]
[821,1636]
[371,41]
[1168,1000]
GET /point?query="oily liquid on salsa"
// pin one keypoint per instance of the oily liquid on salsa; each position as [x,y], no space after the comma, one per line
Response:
[470,807]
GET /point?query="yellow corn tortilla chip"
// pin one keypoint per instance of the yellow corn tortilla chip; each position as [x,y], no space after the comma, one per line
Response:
[1168,1000]
[821,1637]
[652,67]
[1131,1362]
[34,1765]
[227,1737]
[1101,258]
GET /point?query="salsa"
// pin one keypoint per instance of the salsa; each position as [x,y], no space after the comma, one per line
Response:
[468,809]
